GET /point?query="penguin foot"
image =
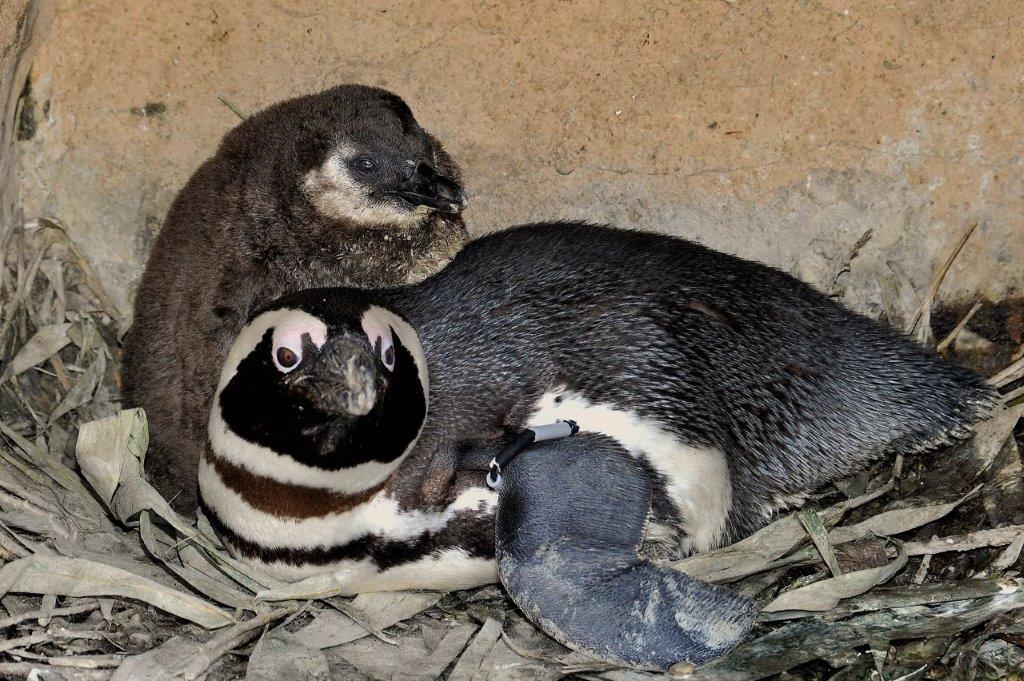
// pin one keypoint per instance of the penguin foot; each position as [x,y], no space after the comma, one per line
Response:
[570,521]
[632,612]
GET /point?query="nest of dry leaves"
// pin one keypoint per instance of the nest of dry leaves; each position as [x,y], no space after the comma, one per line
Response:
[907,571]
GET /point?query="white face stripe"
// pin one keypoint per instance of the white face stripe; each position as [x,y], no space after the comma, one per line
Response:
[698,478]
[264,461]
[339,196]
[376,320]
[286,319]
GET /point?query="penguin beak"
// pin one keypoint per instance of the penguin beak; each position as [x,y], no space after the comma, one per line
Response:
[342,380]
[424,186]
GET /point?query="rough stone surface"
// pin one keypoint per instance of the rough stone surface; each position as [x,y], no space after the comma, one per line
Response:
[777,131]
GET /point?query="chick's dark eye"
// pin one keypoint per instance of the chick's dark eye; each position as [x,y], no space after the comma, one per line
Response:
[389,356]
[364,165]
[287,358]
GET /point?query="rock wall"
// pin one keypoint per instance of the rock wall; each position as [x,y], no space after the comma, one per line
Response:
[778,131]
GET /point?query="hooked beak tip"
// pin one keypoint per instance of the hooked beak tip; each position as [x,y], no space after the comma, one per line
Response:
[457,204]
[430,189]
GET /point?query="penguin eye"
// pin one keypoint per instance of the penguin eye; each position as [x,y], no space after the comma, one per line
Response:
[365,166]
[287,359]
[387,352]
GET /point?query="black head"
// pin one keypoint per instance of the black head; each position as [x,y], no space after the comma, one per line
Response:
[356,154]
[338,394]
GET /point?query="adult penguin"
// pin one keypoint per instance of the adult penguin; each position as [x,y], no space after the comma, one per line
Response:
[339,188]
[709,391]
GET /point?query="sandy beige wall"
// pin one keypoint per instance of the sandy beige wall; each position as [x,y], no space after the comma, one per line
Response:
[780,131]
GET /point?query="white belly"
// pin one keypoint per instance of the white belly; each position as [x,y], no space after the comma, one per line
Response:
[698,478]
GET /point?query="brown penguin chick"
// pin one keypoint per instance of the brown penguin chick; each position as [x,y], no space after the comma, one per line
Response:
[338,188]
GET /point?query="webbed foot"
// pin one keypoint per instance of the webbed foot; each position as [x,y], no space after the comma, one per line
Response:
[570,520]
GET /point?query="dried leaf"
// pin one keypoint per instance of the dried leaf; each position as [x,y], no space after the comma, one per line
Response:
[961,466]
[385,608]
[815,638]
[212,589]
[826,594]
[83,389]
[198,560]
[106,445]
[330,628]
[448,649]
[197,665]
[55,468]
[57,234]
[279,655]
[45,343]
[762,549]
[135,495]
[159,663]
[471,660]
[746,556]
[1010,554]
[991,434]
[819,535]
[895,522]
[1000,536]
[887,598]
[77,577]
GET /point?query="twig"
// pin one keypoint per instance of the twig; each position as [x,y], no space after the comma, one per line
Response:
[60,633]
[922,570]
[1001,536]
[224,100]
[57,612]
[1010,397]
[957,329]
[1009,374]
[79,661]
[21,670]
[23,642]
[196,666]
[940,274]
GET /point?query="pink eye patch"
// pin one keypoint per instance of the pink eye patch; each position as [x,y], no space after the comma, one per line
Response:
[381,338]
[287,341]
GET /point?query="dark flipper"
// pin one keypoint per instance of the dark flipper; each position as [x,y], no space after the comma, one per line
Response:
[448,460]
[570,520]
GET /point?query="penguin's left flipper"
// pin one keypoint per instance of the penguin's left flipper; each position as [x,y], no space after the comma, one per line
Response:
[452,457]
[570,519]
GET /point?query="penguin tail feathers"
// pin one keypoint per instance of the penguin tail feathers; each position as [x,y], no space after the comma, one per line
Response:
[960,402]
